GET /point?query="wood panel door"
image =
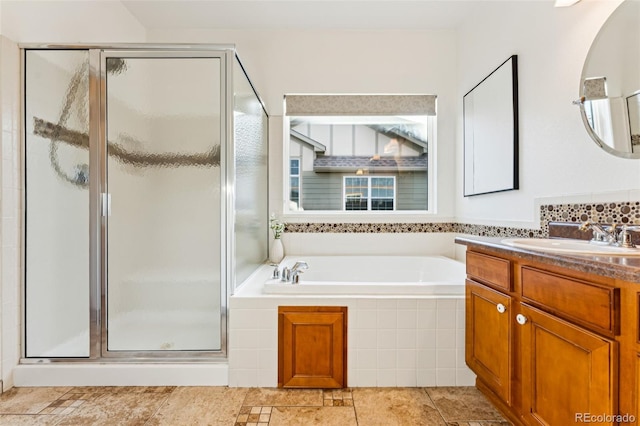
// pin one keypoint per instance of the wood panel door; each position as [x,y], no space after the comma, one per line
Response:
[312,346]
[488,337]
[568,372]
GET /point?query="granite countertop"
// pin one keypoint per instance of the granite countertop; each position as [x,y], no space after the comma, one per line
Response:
[625,268]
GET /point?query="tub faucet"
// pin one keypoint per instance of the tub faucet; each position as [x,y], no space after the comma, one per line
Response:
[297,269]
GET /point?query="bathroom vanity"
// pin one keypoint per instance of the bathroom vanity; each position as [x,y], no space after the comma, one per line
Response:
[554,338]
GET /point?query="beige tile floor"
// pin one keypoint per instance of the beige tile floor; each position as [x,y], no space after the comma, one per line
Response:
[175,406]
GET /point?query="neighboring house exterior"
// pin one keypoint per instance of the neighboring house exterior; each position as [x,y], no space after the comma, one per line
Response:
[357,167]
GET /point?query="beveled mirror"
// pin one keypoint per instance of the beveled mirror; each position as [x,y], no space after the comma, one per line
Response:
[610,83]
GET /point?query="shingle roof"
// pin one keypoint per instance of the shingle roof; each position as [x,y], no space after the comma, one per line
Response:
[346,163]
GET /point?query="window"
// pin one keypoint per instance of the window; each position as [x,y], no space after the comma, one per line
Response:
[294,181]
[369,193]
[360,153]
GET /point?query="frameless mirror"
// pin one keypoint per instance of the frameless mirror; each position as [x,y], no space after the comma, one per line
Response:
[490,116]
[610,83]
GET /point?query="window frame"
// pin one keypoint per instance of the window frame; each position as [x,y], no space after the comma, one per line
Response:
[299,176]
[370,197]
[362,216]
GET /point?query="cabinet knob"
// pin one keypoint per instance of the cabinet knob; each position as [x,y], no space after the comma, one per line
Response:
[501,308]
[521,319]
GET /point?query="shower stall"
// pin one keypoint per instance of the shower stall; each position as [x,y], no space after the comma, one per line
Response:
[145,176]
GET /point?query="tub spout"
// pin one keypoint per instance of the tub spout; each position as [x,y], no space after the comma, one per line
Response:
[297,269]
[300,266]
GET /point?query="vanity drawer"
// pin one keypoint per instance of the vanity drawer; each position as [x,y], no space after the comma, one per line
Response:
[489,269]
[591,305]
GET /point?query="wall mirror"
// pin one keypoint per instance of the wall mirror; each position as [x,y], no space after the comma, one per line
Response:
[610,83]
[490,115]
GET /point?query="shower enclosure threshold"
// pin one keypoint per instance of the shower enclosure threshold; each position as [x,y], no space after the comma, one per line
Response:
[129,374]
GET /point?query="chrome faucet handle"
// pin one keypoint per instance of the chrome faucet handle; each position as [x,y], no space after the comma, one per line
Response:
[295,276]
[286,275]
[276,271]
[624,237]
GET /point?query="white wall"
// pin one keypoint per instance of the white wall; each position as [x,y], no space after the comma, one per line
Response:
[557,157]
[342,61]
[69,22]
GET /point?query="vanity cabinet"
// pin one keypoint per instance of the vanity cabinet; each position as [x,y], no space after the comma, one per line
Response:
[545,341]
[566,370]
[488,339]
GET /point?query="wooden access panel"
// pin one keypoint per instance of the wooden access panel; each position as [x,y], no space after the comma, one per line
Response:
[312,346]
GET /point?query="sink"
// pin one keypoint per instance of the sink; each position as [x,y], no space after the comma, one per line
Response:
[570,246]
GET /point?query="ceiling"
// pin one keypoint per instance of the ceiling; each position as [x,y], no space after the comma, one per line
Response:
[303,14]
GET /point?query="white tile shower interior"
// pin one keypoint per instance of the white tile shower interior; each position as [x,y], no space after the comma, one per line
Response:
[10,209]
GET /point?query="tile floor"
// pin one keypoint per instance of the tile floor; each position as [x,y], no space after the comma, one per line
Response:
[460,406]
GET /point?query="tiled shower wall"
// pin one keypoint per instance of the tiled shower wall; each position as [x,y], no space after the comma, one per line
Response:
[626,212]
[10,210]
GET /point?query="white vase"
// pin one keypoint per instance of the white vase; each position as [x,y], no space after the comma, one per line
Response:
[276,253]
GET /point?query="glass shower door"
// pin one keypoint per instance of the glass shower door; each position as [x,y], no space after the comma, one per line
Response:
[162,202]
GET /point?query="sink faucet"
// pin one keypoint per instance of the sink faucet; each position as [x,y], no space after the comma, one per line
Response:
[601,235]
[298,268]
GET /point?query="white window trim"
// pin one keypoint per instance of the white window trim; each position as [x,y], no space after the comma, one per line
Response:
[369,216]
[299,176]
[369,193]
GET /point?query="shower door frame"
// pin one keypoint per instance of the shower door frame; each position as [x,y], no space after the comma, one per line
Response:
[98,332]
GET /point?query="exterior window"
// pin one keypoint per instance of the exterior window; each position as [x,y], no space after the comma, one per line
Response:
[294,181]
[369,193]
[385,158]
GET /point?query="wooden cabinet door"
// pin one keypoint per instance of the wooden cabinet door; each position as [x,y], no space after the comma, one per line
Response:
[567,371]
[312,346]
[488,337]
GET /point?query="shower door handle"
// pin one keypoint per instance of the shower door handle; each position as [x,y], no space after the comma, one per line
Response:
[106,204]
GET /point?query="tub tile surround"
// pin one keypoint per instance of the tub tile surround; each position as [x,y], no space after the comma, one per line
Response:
[623,212]
[397,341]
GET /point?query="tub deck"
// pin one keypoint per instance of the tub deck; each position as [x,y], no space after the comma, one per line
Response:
[373,275]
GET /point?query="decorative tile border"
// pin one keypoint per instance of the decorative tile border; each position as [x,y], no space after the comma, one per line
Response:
[253,416]
[621,212]
[499,231]
[337,398]
[261,415]
[369,228]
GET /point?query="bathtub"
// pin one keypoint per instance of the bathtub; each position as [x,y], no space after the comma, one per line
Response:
[373,275]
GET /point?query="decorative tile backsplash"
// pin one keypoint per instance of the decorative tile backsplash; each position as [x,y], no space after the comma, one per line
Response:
[622,213]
